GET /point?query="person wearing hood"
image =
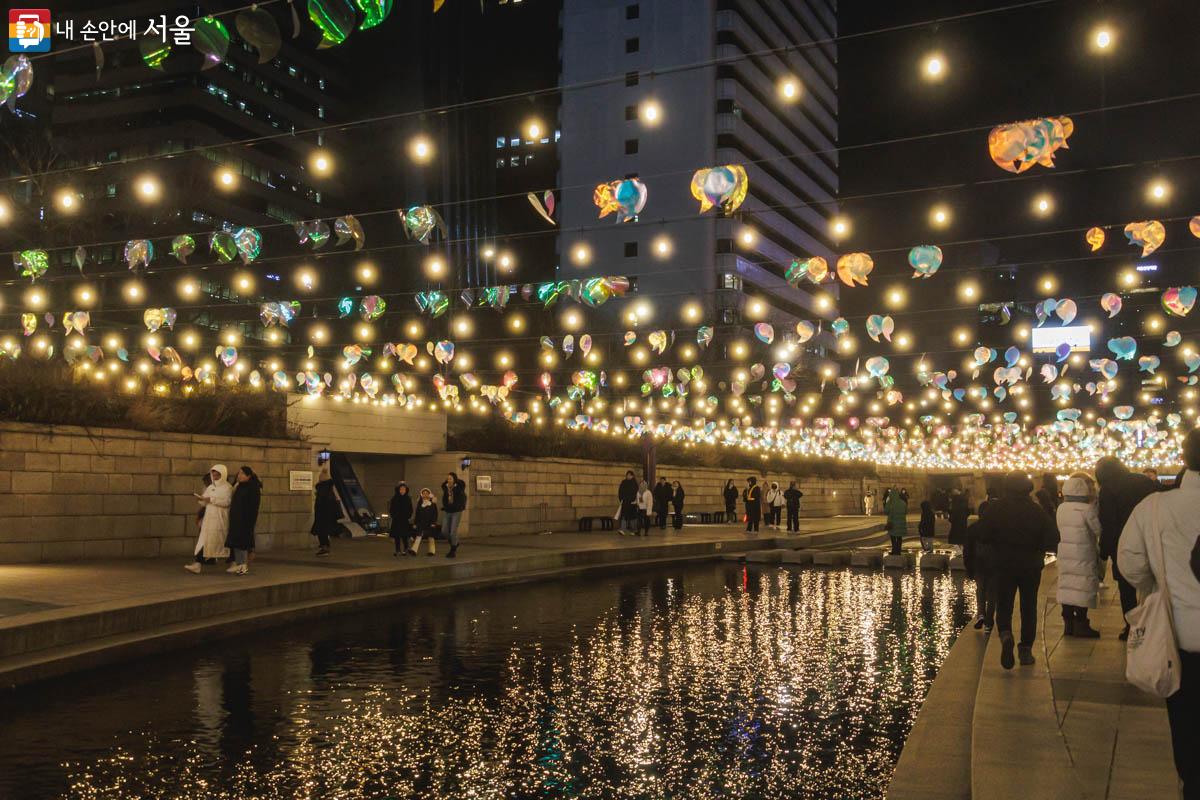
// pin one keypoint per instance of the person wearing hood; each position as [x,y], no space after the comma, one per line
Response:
[400,509]
[645,504]
[896,509]
[1018,534]
[1120,492]
[730,496]
[662,503]
[1160,538]
[327,510]
[1079,567]
[215,525]
[425,521]
[243,515]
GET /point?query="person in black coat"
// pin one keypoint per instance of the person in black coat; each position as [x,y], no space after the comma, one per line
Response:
[959,514]
[454,503]
[663,495]
[791,498]
[400,509]
[1019,534]
[628,514]
[243,515]
[977,558]
[326,511]
[730,495]
[752,497]
[926,527]
[677,495]
[425,521]
[1120,492]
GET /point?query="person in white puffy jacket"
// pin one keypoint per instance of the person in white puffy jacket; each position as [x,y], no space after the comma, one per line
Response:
[645,506]
[1078,555]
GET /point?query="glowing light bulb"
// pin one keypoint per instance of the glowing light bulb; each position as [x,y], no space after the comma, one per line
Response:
[1043,204]
[148,188]
[321,162]
[435,267]
[789,89]
[533,130]
[225,178]
[421,149]
[840,227]
[934,67]
[651,112]
[939,216]
[67,200]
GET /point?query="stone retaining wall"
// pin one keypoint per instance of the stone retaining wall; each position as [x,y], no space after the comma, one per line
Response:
[69,492]
[531,495]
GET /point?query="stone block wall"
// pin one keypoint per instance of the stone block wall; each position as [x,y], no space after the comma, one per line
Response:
[532,495]
[73,493]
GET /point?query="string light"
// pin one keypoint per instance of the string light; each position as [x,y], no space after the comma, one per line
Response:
[789,89]
[67,200]
[934,67]
[839,227]
[1102,39]
[1043,204]
[650,113]
[661,245]
[149,188]
[225,178]
[420,149]
[435,267]
[321,162]
[939,216]
[1158,191]
[581,254]
[533,130]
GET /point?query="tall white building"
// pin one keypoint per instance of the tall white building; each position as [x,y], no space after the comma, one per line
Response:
[726,109]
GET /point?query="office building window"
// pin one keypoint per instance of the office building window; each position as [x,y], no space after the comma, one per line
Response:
[557,135]
[500,142]
[630,113]
[631,79]
[632,45]
[731,281]
[633,11]
[631,249]
[514,142]
[631,147]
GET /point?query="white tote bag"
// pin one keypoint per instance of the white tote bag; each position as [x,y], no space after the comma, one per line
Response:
[1151,654]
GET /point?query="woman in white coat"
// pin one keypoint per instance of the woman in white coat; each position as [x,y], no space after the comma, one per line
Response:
[1078,555]
[215,526]
[774,500]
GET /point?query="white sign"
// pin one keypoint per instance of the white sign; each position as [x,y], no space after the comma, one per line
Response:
[300,480]
[1047,340]
[483,483]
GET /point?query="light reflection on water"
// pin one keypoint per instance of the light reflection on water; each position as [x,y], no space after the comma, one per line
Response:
[698,681]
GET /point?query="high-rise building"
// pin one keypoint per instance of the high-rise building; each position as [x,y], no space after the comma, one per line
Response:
[660,89]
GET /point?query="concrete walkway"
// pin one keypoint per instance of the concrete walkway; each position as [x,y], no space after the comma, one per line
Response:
[1067,728]
[55,618]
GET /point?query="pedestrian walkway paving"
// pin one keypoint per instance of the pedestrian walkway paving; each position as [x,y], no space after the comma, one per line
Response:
[1070,726]
[55,618]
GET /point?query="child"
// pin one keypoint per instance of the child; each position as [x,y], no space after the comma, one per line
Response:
[925,526]
[424,522]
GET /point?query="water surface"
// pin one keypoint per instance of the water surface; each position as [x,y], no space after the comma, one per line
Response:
[701,681]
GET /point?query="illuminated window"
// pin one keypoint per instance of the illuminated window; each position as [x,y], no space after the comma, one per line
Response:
[500,142]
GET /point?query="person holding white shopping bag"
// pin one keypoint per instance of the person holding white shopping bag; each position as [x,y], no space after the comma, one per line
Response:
[1163,655]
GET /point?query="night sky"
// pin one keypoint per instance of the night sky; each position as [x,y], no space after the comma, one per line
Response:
[1002,67]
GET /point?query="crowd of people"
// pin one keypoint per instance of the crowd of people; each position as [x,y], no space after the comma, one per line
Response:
[643,507]
[1140,529]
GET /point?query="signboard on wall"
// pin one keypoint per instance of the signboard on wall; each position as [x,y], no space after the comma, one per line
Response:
[1047,340]
[483,483]
[300,480]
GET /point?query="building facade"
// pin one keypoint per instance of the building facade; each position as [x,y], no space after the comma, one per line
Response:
[700,88]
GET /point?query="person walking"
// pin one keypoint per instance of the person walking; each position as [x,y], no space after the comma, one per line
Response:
[1078,556]
[243,515]
[400,509]
[425,523]
[1162,535]
[645,503]
[960,513]
[326,511]
[752,498]
[977,558]
[730,496]
[772,499]
[214,527]
[896,510]
[925,528]
[1120,492]
[662,502]
[454,503]
[792,498]
[1019,534]
[677,504]
[627,494]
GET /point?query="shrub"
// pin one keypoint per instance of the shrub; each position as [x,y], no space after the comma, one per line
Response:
[55,394]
